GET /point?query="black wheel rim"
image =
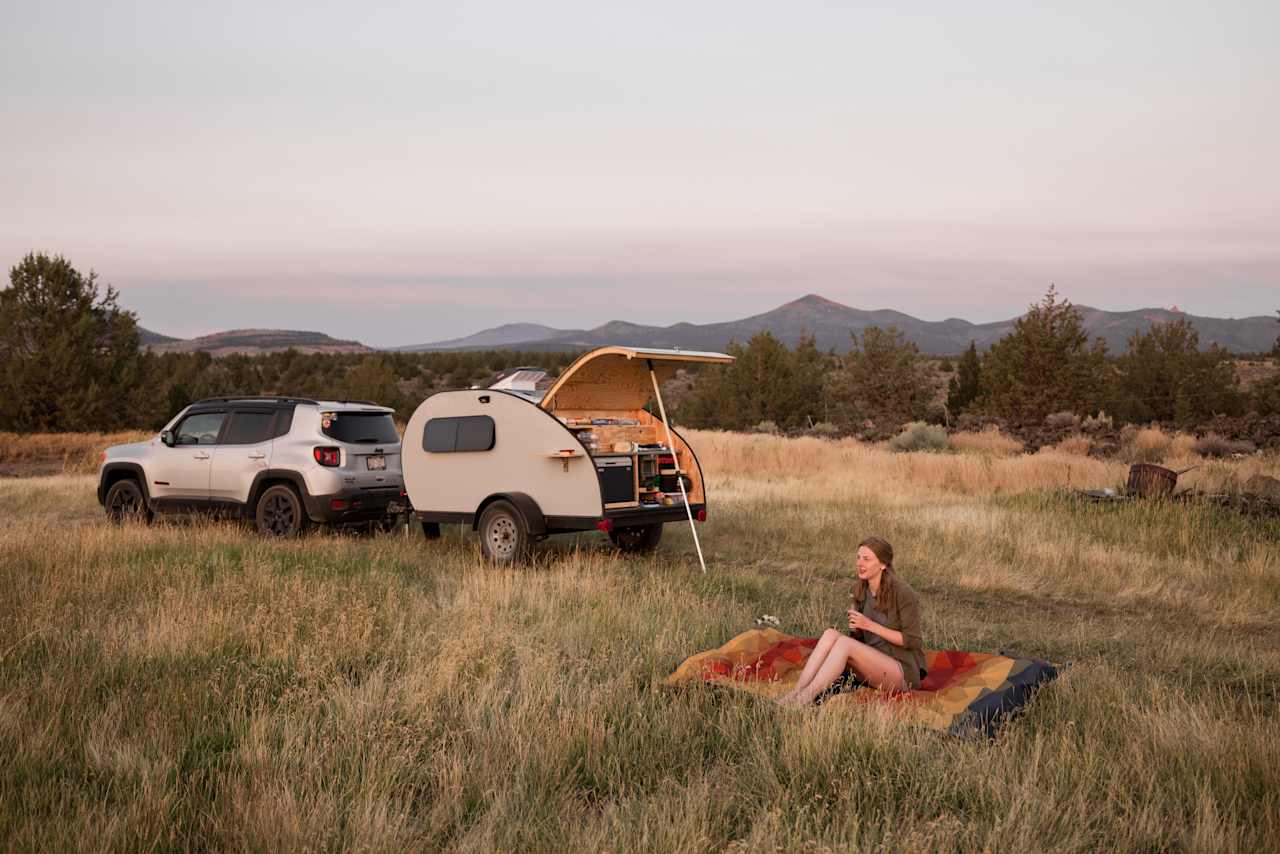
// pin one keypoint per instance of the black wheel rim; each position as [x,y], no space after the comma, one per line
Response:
[279,515]
[125,501]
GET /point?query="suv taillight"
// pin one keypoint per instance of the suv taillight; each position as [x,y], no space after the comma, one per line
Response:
[326,456]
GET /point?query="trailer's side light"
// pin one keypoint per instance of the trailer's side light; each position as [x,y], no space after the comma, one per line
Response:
[702,515]
[605,525]
[326,456]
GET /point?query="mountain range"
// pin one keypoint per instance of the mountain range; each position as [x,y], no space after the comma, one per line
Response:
[831,324]
[250,342]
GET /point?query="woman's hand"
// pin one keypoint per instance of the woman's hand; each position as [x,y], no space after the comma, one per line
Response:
[859,620]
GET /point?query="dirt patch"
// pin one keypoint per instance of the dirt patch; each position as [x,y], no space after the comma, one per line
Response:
[31,468]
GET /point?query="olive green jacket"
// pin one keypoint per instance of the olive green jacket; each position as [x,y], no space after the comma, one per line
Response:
[901,607]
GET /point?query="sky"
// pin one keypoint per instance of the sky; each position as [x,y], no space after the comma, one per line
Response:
[404,173]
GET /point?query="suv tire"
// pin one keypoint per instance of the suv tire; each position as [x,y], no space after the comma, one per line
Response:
[504,538]
[640,538]
[280,512]
[125,501]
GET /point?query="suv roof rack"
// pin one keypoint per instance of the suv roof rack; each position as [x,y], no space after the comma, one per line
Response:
[361,402]
[262,397]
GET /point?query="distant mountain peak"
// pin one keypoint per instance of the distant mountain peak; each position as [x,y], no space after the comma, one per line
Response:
[814,301]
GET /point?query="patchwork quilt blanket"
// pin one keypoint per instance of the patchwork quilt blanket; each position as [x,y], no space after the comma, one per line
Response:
[963,692]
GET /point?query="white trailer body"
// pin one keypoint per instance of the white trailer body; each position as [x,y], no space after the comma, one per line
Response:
[587,455]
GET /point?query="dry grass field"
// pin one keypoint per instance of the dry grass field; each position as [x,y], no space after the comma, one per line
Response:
[190,685]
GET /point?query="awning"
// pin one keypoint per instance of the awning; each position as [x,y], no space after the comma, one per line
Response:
[617,378]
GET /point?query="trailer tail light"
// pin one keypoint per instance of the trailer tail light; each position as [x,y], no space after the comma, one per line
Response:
[326,456]
[702,515]
[605,525]
[666,460]
[338,504]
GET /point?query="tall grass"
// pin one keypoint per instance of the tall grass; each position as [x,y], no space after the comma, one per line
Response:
[72,452]
[191,685]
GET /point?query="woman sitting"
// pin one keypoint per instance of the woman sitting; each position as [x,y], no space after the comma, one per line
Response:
[885,650]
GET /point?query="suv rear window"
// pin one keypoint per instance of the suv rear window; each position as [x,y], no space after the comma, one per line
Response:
[360,428]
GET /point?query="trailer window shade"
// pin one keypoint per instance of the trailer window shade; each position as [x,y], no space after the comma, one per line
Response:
[475,433]
[448,435]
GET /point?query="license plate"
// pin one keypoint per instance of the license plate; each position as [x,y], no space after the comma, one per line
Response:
[376,463]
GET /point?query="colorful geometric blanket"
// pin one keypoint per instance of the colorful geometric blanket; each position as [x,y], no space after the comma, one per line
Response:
[963,692]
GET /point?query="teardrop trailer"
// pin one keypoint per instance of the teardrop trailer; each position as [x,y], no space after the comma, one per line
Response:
[519,466]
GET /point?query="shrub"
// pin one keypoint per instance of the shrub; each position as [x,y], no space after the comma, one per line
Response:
[825,429]
[990,442]
[766,427]
[1096,423]
[1213,445]
[1077,444]
[1181,445]
[918,436]
[1145,444]
[1062,421]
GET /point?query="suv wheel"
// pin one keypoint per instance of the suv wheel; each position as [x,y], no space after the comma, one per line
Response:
[125,500]
[280,512]
[503,535]
[641,538]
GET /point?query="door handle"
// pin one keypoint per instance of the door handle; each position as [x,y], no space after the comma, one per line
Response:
[257,456]
[202,456]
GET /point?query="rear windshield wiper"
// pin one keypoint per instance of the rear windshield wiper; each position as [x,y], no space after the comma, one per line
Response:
[367,440]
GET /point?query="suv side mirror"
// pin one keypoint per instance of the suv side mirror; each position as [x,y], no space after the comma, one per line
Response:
[167,437]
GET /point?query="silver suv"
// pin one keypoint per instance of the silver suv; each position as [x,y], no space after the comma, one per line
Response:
[283,462]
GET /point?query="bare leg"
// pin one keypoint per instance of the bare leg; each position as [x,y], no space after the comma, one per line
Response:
[878,669]
[811,665]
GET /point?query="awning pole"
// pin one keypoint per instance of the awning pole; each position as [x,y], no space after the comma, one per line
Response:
[675,457]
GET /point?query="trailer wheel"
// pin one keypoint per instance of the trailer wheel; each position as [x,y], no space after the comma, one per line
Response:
[641,538]
[504,538]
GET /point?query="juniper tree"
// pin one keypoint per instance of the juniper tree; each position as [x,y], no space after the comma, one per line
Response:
[966,385]
[1044,365]
[881,380]
[1165,376]
[69,356]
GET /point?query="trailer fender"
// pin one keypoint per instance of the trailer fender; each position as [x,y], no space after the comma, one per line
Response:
[535,521]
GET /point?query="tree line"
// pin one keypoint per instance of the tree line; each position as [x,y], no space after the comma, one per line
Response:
[70,361]
[1045,365]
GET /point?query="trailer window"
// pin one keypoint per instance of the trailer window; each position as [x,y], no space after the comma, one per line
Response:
[448,435]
